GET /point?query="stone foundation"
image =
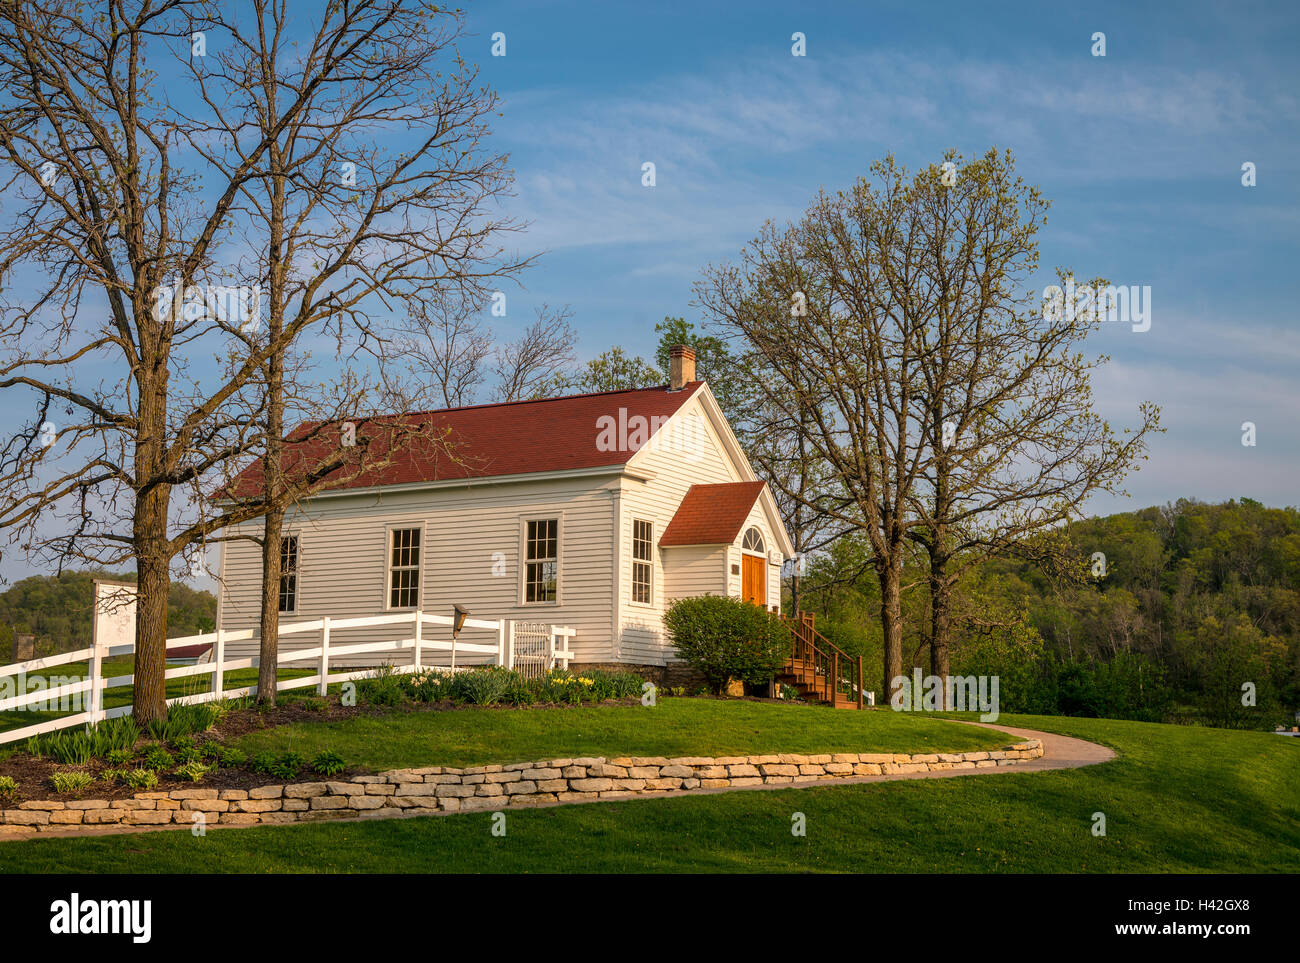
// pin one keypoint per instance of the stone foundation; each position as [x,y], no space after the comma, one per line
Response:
[438,789]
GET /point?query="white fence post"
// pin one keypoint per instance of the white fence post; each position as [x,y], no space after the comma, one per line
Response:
[324,685]
[550,650]
[96,680]
[453,649]
[219,661]
[419,622]
[510,645]
[501,641]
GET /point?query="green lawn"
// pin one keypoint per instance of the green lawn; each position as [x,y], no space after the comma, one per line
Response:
[1177,800]
[674,727]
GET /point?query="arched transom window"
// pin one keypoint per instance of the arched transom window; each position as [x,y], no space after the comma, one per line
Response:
[753,541]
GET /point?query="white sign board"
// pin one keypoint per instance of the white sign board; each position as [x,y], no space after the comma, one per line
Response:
[114,613]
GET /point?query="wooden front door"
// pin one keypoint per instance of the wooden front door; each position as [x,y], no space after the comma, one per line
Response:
[753,579]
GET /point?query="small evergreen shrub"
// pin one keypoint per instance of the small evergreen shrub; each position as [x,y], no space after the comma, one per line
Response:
[8,786]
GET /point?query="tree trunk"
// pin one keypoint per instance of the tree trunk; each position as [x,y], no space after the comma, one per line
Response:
[940,621]
[269,647]
[153,580]
[891,622]
[152,552]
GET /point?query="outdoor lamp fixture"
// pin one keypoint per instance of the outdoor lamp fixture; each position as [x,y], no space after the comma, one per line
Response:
[458,618]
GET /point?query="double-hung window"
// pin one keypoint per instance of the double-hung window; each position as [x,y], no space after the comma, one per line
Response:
[289,573]
[642,560]
[404,568]
[542,560]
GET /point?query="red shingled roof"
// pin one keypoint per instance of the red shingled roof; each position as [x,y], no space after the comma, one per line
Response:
[480,441]
[711,514]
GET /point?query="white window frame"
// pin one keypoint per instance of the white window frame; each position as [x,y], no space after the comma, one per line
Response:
[648,562]
[524,561]
[297,572]
[388,565]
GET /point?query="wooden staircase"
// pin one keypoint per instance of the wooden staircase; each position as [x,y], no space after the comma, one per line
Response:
[819,669]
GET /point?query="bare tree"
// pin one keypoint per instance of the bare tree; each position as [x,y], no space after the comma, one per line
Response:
[129,205]
[538,360]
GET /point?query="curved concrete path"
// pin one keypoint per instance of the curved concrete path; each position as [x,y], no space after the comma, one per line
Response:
[1059,752]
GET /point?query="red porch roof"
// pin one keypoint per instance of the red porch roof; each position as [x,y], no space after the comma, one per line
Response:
[711,514]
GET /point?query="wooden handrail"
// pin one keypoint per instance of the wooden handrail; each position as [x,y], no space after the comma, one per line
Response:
[827,658]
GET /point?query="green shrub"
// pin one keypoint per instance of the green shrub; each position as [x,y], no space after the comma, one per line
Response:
[7,786]
[158,758]
[188,754]
[327,763]
[725,638]
[113,776]
[65,782]
[141,779]
[263,763]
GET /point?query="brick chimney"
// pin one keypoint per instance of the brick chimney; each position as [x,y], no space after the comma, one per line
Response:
[681,366]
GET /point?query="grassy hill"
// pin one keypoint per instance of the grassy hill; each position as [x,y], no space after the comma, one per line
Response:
[1177,799]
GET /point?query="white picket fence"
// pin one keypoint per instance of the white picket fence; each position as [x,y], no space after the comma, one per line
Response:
[503,651]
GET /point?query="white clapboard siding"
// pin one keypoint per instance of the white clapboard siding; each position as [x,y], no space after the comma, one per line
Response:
[675,471]
[470,553]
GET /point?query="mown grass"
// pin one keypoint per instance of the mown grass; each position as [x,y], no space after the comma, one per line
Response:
[674,727]
[1176,800]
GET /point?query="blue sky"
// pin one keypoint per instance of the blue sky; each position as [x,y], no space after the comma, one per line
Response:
[1140,152]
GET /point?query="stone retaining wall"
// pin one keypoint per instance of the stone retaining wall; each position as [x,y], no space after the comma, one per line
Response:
[443,789]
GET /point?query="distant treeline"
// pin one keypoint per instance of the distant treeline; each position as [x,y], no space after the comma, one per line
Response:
[1197,615]
[56,609]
